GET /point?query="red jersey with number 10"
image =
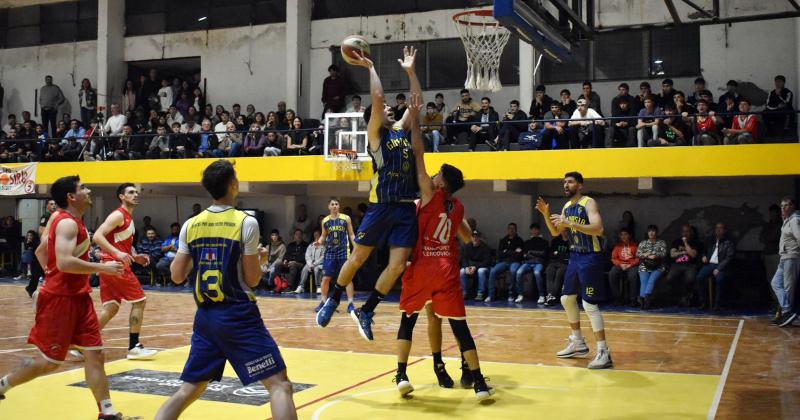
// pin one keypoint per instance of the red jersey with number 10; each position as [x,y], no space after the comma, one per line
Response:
[438,224]
[60,283]
[122,236]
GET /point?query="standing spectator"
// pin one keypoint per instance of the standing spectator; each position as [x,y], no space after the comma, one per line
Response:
[717,264]
[624,275]
[699,86]
[281,112]
[11,122]
[274,252]
[142,92]
[183,103]
[583,131]
[115,122]
[622,95]
[567,104]
[50,99]
[165,95]
[173,116]
[785,280]
[685,254]
[622,132]
[273,146]
[705,125]
[250,117]
[464,111]
[652,253]
[486,131]
[476,258]
[780,104]
[334,89]
[303,222]
[87,99]
[355,104]
[509,131]
[198,102]
[667,94]
[509,255]
[27,260]
[191,127]
[128,96]
[296,139]
[295,258]
[540,103]
[556,133]
[770,236]
[314,257]
[644,92]
[591,97]
[168,249]
[534,252]
[400,106]
[649,120]
[253,144]
[745,127]
[432,127]
[557,259]
[731,94]
[673,131]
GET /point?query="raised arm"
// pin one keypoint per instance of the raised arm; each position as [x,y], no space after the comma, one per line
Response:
[378,103]
[423,180]
[408,63]
[544,209]
[465,232]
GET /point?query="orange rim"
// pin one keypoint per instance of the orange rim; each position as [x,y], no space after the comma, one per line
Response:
[457,18]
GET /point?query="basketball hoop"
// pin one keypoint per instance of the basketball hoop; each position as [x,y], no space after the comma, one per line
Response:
[345,160]
[484,40]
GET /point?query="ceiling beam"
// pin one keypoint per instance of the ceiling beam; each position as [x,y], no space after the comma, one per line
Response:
[673,12]
[699,9]
[794,4]
[577,20]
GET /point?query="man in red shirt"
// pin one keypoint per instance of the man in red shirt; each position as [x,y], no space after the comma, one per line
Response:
[745,127]
[65,314]
[705,125]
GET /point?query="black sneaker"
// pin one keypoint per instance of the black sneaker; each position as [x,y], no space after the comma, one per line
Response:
[787,319]
[776,319]
[403,384]
[445,381]
[466,377]
[483,391]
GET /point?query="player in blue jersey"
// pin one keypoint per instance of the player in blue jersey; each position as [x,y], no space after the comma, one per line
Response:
[337,236]
[584,276]
[391,217]
[220,245]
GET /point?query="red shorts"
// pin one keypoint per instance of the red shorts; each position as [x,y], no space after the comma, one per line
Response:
[437,283]
[118,289]
[62,321]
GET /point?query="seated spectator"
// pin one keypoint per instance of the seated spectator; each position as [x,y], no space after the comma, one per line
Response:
[716,261]
[294,259]
[705,125]
[622,132]
[68,153]
[253,144]
[272,121]
[624,275]
[680,104]
[260,120]
[731,95]
[272,145]
[534,252]
[557,259]
[51,149]
[27,260]
[673,131]
[644,92]
[159,146]
[509,131]
[119,146]
[486,131]
[744,129]
[274,253]
[287,121]
[463,112]
[400,106]
[648,122]
[75,131]
[540,104]
[567,104]
[137,146]
[174,116]
[709,97]
[11,122]
[229,143]
[222,127]
[151,246]
[622,95]
[652,252]
[241,123]
[509,256]
[592,98]
[169,247]
[297,139]
[476,258]
[699,86]
[685,254]
[779,119]
[355,104]
[667,93]
[583,131]
[556,133]
[181,144]
[314,256]
[432,127]
[208,142]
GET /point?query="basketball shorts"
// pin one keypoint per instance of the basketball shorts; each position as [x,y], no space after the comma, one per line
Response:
[331,267]
[584,277]
[234,333]
[437,283]
[394,224]
[64,321]
[123,288]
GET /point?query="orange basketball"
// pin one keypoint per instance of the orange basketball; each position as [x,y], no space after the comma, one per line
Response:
[353,44]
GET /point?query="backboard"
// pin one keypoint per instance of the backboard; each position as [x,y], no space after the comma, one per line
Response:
[518,16]
[346,131]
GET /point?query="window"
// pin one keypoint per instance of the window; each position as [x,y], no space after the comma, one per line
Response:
[163,16]
[619,55]
[575,70]
[48,24]
[675,51]
[330,9]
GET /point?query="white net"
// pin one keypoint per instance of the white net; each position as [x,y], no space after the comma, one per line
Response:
[345,161]
[484,40]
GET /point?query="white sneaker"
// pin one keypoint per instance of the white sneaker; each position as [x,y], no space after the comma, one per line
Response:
[140,352]
[488,299]
[576,347]
[299,290]
[75,356]
[602,360]
[540,301]
[35,299]
[319,290]
[519,299]
[510,299]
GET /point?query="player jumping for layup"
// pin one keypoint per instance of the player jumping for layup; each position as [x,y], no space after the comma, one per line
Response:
[337,235]
[65,313]
[115,239]
[220,245]
[585,267]
[391,214]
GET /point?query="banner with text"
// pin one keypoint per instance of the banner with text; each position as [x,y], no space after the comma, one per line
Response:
[18,180]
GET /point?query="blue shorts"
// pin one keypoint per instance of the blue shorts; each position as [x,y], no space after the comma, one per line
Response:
[584,277]
[394,224]
[331,267]
[233,333]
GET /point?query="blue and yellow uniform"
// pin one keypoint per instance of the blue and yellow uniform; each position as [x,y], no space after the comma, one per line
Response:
[337,245]
[584,273]
[228,324]
[391,216]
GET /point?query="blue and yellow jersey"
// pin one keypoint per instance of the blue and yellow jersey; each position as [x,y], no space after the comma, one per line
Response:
[337,241]
[394,176]
[215,243]
[581,242]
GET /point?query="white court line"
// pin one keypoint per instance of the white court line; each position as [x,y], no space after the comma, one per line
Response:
[639,314]
[583,316]
[712,411]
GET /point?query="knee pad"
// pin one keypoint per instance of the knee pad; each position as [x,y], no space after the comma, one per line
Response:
[595,317]
[570,304]
[461,331]
[406,329]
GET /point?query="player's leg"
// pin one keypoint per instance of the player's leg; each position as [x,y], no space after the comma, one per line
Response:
[96,379]
[108,312]
[324,289]
[569,300]
[593,291]
[348,271]
[136,351]
[28,369]
[280,390]
[470,354]
[435,339]
[178,402]
[351,292]
[404,338]
[397,263]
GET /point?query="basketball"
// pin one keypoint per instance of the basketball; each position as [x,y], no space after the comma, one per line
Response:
[354,44]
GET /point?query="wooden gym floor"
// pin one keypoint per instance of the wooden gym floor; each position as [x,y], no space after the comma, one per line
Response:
[665,367]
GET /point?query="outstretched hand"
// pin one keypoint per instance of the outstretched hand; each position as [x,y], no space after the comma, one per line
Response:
[415,105]
[362,60]
[543,207]
[409,59]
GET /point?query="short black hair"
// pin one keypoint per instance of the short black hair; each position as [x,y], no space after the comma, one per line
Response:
[732,83]
[362,207]
[333,199]
[463,91]
[487,99]
[535,225]
[624,100]
[780,77]
[333,67]
[512,224]
[356,96]
[540,88]
[400,95]
[236,106]
[699,80]
[563,91]
[439,95]
[626,230]
[297,230]
[514,102]
[587,83]
[453,178]
[430,105]
[121,189]
[275,231]
[653,228]
[706,92]
[149,229]
[216,178]
[743,99]
[176,224]
[666,82]
[670,106]
[62,187]
[574,174]
[644,84]
[623,85]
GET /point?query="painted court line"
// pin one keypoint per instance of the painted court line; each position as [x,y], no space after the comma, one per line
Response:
[712,411]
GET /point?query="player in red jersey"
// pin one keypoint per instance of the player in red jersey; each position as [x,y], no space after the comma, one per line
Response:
[433,275]
[115,239]
[65,314]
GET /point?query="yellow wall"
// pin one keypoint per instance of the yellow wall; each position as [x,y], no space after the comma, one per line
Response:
[675,162]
